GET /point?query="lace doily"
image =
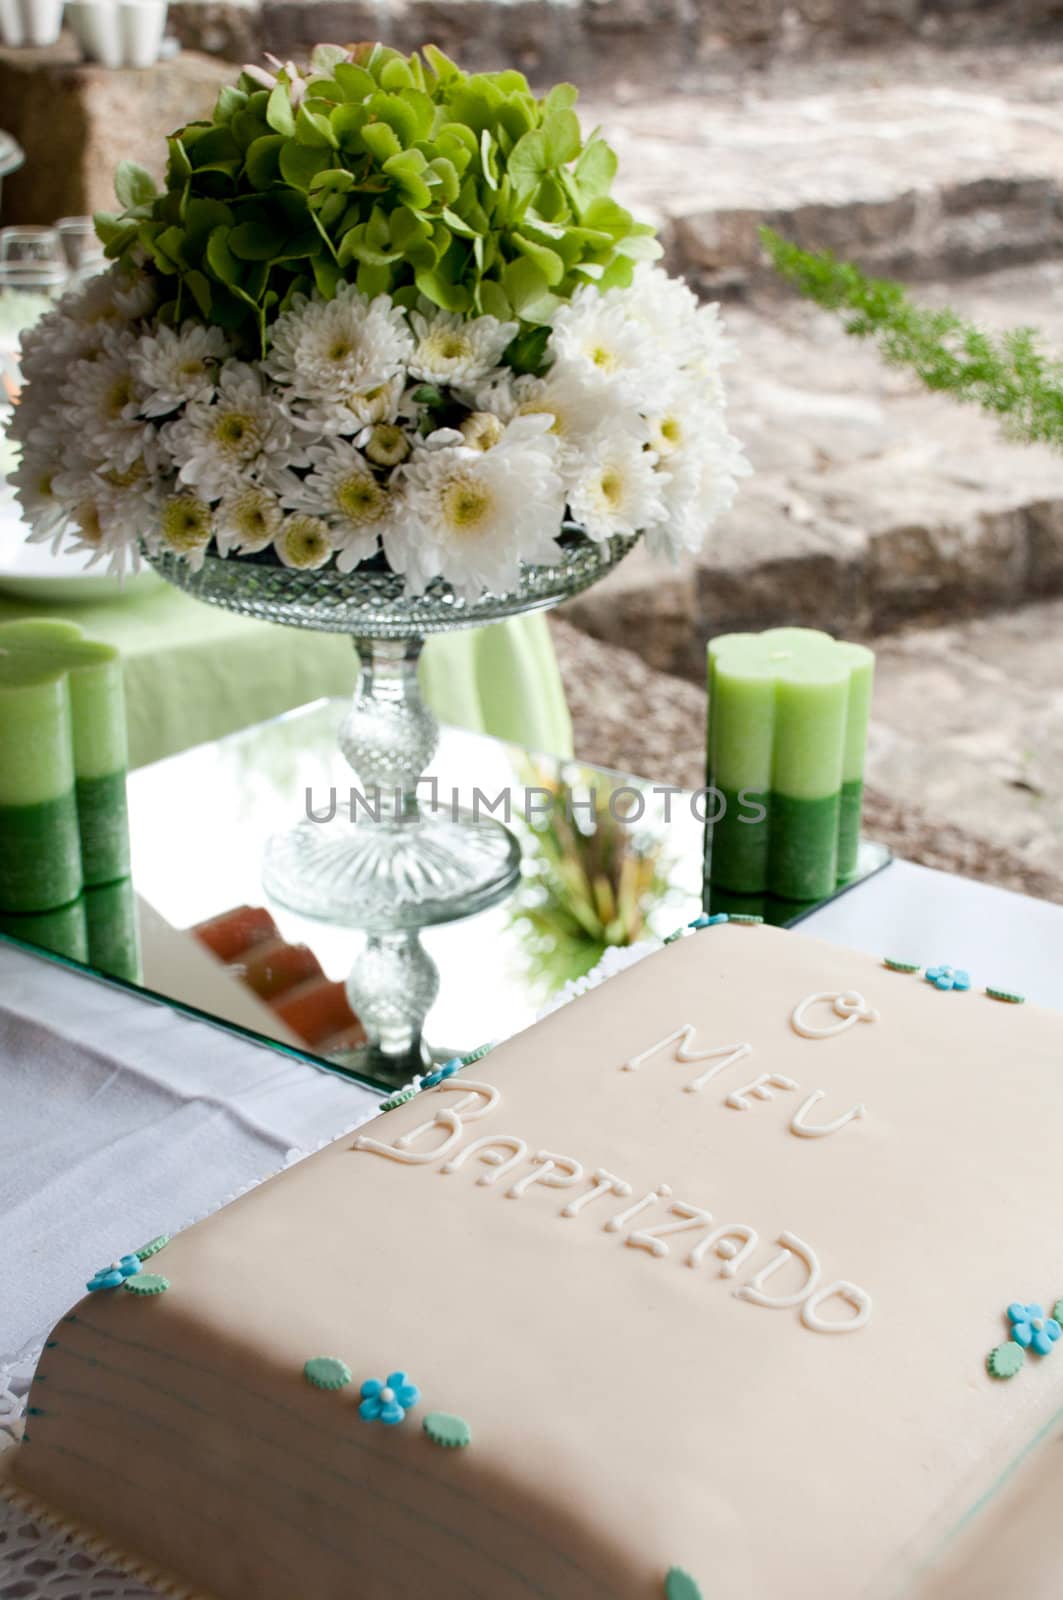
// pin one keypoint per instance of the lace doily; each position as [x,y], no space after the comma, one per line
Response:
[40,1563]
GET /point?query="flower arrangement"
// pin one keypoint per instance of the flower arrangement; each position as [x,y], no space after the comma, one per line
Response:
[383,311]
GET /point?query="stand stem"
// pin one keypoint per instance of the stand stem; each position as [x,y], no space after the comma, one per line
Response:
[389,735]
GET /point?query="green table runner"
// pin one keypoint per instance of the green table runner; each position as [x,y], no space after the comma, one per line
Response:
[194,672]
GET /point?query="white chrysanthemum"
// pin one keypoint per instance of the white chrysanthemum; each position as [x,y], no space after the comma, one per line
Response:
[343,360]
[343,488]
[455,353]
[177,368]
[581,409]
[185,528]
[248,519]
[698,483]
[473,516]
[593,339]
[303,542]
[481,430]
[688,330]
[34,483]
[243,433]
[102,407]
[615,489]
[385,443]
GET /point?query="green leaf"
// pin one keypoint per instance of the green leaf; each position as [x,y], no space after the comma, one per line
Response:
[255,241]
[609,217]
[444,68]
[315,130]
[396,75]
[327,276]
[487,159]
[279,112]
[300,164]
[133,185]
[548,261]
[528,163]
[373,281]
[220,258]
[457,225]
[561,134]
[524,283]
[198,287]
[442,178]
[202,216]
[325,58]
[180,165]
[262,162]
[347,124]
[595,170]
[337,179]
[562,97]
[355,83]
[494,301]
[442,293]
[247,126]
[526,352]
[381,141]
[228,103]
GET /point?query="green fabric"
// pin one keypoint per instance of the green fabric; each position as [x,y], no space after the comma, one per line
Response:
[194,672]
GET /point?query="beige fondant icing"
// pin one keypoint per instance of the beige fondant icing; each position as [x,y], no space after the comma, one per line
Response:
[805,1412]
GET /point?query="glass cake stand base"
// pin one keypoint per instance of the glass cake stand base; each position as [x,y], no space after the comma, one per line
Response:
[413,872]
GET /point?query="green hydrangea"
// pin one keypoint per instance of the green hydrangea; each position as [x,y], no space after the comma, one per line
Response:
[402,174]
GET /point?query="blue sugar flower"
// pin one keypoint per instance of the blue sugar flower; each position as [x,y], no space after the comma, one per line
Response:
[1032,1329]
[705,921]
[438,1074]
[115,1275]
[388,1402]
[948,977]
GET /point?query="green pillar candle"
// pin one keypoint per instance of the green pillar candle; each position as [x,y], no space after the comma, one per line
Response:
[111,918]
[787,725]
[62,715]
[62,931]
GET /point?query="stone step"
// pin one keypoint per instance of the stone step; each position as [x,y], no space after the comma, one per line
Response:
[922,165]
[965,757]
[873,503]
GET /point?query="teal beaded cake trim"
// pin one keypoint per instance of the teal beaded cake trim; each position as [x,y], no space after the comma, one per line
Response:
[900,966]
[1006,995]
[147,1283]
[152,1248]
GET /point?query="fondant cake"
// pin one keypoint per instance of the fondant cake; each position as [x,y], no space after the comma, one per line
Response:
[734,1277]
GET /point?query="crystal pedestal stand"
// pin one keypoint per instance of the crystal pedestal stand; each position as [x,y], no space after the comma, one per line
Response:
[378,857]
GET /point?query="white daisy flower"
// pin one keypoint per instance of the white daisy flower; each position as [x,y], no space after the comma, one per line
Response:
[34,483]
[243,433]
[593,338]
[456,353]
[356,505]
[473,516]
[247,519]
[178,368]
[185,527]
[698,482]
[303,542]
[688,330]
[615,489]
[343,359]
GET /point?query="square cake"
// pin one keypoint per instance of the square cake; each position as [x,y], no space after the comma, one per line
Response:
[734,1277]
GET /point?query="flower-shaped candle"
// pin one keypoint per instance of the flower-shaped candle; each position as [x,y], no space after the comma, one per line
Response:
[62,764]
[788,717]
[388,1401]
[1032,1329]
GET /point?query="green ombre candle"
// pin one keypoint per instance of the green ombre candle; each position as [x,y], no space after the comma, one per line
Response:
[111,920]
[61,931]
[788,715]
[62,764]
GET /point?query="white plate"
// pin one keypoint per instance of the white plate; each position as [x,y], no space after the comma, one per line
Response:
[31,572]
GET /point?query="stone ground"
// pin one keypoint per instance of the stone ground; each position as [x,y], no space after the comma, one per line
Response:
[966,751]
